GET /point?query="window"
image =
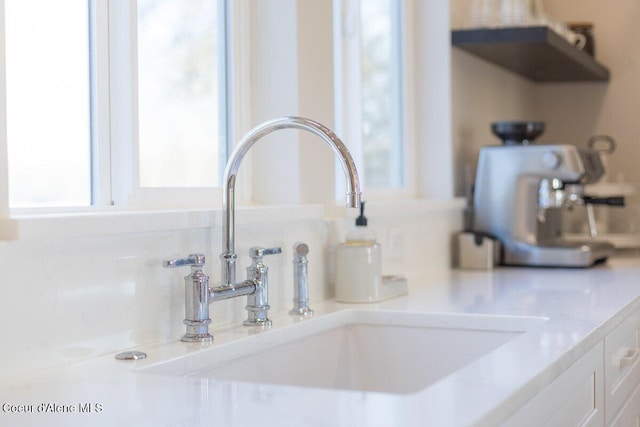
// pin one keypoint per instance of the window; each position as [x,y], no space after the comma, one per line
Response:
[47,80]
[370,90]
[178,107]
[97,86]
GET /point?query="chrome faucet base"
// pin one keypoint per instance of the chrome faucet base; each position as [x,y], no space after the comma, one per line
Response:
[198,338]
[301,311]
[197,331]
[265,323]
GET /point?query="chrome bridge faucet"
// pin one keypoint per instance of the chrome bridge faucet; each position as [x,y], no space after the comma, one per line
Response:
[198,295]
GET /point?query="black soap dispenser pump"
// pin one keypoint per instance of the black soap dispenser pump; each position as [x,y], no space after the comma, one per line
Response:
[361,234]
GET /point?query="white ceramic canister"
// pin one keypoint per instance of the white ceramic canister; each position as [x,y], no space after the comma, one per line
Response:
[359,272]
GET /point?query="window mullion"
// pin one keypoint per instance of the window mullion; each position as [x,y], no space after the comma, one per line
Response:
[398,156]
[348,86]
[123,105]
[4,175]
[409,78]
[100,97]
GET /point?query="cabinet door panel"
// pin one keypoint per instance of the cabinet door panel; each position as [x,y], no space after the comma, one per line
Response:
[575,398]
[621,363]
[630,414]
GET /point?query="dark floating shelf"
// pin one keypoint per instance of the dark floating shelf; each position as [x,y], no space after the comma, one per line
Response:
[537,53]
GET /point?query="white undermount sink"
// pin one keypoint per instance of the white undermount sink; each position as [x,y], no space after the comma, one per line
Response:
[366,350]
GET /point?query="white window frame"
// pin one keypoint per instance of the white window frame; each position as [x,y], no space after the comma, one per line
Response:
[428,97]
[347,91]
[100,104]
[4,164]
[114,129]
[125,174]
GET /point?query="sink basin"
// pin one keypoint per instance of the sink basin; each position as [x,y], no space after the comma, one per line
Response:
[366,350]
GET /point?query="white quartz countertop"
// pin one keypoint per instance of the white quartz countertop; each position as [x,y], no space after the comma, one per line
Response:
[582,306]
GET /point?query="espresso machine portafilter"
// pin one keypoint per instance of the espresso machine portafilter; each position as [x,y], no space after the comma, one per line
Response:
[520,193]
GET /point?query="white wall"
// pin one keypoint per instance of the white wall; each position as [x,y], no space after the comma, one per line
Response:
[573,112]
[482,93]
[434,100]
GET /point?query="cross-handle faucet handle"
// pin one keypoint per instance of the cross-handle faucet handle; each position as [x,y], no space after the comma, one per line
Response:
[193,260]
[196,298]
[257,253]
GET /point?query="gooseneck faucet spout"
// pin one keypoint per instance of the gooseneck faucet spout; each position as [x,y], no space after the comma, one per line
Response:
[228,255]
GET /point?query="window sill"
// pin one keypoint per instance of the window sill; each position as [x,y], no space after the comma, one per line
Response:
[122,221]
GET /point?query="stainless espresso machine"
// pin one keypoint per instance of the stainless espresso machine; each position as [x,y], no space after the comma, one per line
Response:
[520,192]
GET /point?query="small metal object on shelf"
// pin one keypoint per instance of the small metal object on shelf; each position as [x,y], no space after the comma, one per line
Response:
[131,355]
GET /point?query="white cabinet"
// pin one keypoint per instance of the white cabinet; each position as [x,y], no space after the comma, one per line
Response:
[575,398]
[601,389]
[630,414]
[622,373]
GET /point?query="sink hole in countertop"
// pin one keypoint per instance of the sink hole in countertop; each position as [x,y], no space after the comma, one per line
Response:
[373,351]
